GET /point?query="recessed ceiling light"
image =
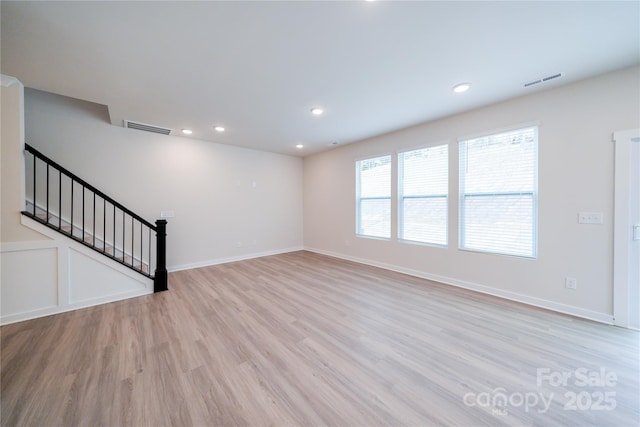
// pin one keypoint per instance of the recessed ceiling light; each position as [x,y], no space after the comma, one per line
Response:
[219,128]
[299,146]
[316,111]
[462,87]
[187,131]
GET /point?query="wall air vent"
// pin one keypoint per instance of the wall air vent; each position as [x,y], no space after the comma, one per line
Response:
[542,80]
[129,124]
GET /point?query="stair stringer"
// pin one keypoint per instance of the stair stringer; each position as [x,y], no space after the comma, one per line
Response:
[60,274]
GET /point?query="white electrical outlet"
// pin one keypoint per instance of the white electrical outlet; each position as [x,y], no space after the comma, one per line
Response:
[571,283]
[590,218]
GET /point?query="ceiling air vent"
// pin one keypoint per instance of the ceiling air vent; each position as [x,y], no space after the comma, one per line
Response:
[542,80]
[129,124]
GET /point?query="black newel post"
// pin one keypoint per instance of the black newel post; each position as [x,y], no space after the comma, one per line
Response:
[161,277]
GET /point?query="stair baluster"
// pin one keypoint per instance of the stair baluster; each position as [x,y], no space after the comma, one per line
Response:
[132,257]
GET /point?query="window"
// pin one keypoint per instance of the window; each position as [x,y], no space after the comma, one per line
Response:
[498,193]
[373,194]
[423,188]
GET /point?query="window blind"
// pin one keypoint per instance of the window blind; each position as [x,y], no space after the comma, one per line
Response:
[373,195]
[423,190]
[498,193]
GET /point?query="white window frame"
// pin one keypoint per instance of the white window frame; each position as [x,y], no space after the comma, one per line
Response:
[533,194]
[402,197]
[359,198]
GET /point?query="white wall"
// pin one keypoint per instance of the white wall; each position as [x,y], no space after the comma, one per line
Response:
[11,158]
[220,214]
[575,174]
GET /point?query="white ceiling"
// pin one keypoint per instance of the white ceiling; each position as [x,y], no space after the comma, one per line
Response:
[259,67]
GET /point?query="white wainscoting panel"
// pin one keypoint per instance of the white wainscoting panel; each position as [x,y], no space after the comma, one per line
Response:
[29,279]
[44,277]
[91,279]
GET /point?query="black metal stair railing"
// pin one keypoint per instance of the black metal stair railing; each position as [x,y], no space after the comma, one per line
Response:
[66,203]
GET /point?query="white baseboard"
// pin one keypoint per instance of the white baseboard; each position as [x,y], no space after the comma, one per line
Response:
[513,296]
[225,260]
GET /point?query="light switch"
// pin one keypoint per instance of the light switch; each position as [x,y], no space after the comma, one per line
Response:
[167,214]
[590,218]
[636,232]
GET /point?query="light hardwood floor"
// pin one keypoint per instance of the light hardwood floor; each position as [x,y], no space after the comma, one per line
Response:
[305,339]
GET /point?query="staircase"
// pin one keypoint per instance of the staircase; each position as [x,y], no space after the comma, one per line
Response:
[66,203]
